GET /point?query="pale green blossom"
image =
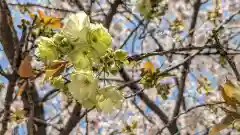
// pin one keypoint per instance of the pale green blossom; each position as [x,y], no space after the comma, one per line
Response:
[80,59]
[82,36]
[90,102]
[83,87]
[76,28]
[100,39]
[109,98]
[63,44]
[47,50]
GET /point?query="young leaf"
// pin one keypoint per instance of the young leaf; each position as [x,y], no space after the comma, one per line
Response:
[25,69]
[49,20]
[134,125]
[1,85]
[230,93]
[55,70]
[120,55]
[148,66]
[41,13]
[56,64]
[52,22]
[222,60]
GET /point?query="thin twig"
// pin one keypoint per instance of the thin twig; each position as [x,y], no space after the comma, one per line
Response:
[185,60]
[128,84]
[130,35]
[188,110]
[47,123]
[41,6]
[48,94]
[134,94]
[3,73]
[186,64]
[112,12]
[224,54]
[142,112]
[145,55]
[87,124]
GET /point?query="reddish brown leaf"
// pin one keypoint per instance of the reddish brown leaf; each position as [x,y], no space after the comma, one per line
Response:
[25,69]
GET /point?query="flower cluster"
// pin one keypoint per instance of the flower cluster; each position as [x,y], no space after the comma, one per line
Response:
[145,8]
[82,44]
[151,8]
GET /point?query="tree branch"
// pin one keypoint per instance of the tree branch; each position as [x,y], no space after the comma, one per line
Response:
[3,73]
[8,36]
[225,55]
[185,69]
[9,41]
[48,94]
[30,123]
[73,120]
[43,122]
[112,12]
[142,112]
[37,107]
[7,104]
[135,88]
[145,55]
[41,6]
[188,110]
[80,6]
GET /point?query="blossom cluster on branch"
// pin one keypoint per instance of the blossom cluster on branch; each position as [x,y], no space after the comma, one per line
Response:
[83,45]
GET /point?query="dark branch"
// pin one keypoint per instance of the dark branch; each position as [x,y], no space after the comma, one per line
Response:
[112,12]
[145,55]
[135,88]
[188,110]
[40,6]
[142,112]
[7,104]
[8,36]
[73,120]
[43,122]
[185,69]
[80,6]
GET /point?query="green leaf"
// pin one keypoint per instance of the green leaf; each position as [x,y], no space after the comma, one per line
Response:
[148,66]
[230,93]
[163,90]
[145,8]
[134,125]
[222,60]
[1,86]
[58,82]
[120,55]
